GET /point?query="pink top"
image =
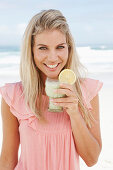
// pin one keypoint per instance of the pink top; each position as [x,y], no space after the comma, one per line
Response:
[48,147]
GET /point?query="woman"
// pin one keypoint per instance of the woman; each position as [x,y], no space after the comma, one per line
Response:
[49,141]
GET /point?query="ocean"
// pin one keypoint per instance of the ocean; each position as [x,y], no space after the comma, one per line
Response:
[98,59]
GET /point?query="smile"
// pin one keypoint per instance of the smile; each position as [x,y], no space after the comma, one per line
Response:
[52,67]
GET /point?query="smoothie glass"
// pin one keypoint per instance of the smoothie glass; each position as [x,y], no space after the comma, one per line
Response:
[50,86]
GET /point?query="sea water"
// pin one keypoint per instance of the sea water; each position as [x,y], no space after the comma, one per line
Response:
[97,59]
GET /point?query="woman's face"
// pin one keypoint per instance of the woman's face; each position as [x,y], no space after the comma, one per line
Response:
[50,52]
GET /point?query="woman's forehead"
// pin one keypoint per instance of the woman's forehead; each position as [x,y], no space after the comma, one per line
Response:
[50,37]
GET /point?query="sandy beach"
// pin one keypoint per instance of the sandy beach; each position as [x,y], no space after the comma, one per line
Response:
[105,161]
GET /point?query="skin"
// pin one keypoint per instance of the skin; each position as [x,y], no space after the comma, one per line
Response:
[88,141]
[50,53]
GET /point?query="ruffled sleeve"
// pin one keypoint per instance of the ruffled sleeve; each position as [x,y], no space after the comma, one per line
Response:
[90,88]
[12,94]
[7,92]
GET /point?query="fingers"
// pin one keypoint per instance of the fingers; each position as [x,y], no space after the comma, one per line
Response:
[70,106]
[66,86]
[65,100]
[64,91]
[69,102]
[67,89]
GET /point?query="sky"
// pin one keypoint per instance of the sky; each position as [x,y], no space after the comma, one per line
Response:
[90,21]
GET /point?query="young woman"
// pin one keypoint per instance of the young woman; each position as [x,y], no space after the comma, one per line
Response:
[49,140]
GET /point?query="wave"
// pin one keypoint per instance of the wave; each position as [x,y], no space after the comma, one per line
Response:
[89,55]
[96,60]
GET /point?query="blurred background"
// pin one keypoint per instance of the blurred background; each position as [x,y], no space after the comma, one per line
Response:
[91,24]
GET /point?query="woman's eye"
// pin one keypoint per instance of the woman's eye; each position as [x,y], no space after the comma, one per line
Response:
[42,48]
[60,47]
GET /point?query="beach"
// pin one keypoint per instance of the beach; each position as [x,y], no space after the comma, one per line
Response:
[9,72]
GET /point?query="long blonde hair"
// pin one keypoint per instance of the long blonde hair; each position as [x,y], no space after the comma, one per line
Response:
[30,75]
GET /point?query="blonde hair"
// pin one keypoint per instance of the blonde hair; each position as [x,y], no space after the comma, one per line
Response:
[30,75]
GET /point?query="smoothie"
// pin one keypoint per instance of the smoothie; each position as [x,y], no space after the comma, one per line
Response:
[50,86]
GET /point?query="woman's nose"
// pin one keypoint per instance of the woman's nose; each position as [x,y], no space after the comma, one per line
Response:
[52,56]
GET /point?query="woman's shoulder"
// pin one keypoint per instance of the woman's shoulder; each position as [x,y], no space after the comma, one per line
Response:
[13,85]
[88,81]
[90,87]
[18,83]
[11,88]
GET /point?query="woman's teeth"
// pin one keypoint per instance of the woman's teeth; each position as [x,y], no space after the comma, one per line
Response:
[52,66]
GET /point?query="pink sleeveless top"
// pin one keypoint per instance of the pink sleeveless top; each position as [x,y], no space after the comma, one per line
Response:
[50,146]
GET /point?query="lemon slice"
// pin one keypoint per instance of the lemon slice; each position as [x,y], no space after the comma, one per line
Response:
[67,76]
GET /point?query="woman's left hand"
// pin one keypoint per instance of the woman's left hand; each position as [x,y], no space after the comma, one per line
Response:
[70,102]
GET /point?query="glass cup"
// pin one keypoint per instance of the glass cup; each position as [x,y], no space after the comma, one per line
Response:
[50,86]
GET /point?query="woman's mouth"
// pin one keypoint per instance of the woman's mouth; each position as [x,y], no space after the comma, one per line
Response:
[52,67]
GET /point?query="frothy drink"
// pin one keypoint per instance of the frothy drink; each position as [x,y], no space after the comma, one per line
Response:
[50,86]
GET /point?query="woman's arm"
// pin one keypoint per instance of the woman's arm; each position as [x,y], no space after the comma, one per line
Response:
[87,140]
[11,139]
